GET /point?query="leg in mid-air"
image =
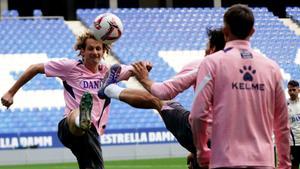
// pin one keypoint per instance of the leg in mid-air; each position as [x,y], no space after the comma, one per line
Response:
[175,117]
[78,133]
[79,120]
[135,98]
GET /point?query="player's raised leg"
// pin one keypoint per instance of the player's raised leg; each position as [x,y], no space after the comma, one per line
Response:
[136,98]
[79,119]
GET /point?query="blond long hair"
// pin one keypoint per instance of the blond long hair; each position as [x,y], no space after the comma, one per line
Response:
[81,43]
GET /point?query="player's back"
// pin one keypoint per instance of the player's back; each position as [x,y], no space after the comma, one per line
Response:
[245,84]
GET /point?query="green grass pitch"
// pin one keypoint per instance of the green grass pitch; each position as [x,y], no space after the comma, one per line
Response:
[165,163]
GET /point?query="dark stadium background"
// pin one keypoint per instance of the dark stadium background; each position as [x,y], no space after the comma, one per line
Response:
[67,8]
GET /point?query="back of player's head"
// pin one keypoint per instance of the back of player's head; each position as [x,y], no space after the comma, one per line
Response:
[216,38]
[240,20]
[293,83]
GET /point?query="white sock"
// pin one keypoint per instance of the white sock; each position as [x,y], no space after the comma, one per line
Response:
[77,123]
[113,91]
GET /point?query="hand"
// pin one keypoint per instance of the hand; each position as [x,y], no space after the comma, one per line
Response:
[140,70]
[190,160]
[203,158]
[148,65]
[7,100]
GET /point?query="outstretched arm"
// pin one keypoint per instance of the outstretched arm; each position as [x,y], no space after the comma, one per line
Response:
[30,72]
[168,89]
[141,74]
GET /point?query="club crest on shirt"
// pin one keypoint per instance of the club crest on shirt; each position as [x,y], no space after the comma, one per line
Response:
[245,54]
[248,73]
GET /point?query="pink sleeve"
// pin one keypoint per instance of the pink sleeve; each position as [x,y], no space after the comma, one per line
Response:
[200,114]
[281,126]
[58,68]
[171,88]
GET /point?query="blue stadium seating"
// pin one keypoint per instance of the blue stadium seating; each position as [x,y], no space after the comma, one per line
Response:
[50,36]
[30,120]
[40,82]
[294,13]
[146,32]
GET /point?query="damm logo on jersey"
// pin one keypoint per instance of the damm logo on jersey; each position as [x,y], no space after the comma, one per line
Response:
[91,84]
[248,73]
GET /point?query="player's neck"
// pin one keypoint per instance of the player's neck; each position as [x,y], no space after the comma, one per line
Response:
[295,100]
[93,68]
[231,37]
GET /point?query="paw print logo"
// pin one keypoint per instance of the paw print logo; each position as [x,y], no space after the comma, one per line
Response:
[247,73]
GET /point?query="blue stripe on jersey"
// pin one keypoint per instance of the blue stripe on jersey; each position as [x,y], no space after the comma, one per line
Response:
[69,89]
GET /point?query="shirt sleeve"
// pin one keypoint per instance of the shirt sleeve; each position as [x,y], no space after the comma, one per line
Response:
[58,68]
[180,82]
[125,72]
[281,126]
[201,112]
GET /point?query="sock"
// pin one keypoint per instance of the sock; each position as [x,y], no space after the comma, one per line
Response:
[113,91]
[77,123]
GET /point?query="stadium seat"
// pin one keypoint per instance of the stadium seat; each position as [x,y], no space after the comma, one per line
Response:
[147,31]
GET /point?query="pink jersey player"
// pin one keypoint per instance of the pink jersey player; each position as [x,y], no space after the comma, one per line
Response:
[175,117]
[85,113]
[243,91]
[76,80]
[186,78]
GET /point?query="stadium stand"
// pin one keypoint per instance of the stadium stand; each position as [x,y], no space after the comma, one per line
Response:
[147,32]
[294,14]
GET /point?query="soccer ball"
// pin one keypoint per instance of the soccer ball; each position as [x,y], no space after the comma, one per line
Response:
[107,27]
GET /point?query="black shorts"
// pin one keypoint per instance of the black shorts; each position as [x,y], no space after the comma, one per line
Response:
[86,148]
[176,119]
[295,155]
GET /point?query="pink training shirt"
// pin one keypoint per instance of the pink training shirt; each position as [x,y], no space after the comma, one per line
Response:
[245,93]
[184,79]
[77,79]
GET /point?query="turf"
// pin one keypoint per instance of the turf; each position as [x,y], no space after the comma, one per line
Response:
[165,163]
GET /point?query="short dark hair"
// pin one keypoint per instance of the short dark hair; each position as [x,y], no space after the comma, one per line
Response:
[293,83]
[240,20]
[216,38]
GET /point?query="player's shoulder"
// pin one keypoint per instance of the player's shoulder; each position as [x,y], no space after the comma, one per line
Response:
[213,58]
[104,66]
[63,62]
[193,64]
[266,60]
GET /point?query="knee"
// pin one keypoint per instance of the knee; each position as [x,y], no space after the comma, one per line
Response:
[156,102]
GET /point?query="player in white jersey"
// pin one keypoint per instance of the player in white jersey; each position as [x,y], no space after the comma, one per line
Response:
[294,118]
[243,92]
[85,114]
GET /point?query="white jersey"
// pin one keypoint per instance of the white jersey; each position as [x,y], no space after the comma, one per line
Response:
[294,118]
